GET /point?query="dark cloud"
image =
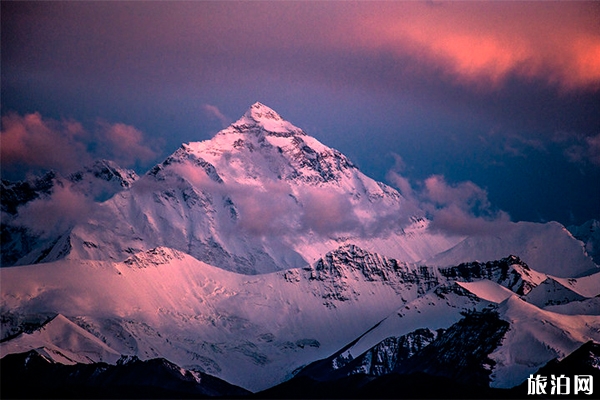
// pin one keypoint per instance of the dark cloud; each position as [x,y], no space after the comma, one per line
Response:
[584,150]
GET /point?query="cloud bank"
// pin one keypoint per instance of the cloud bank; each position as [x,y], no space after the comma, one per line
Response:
[33,142]
[486,42]
[585,150]
[214,113]
[462,208]
[53,215]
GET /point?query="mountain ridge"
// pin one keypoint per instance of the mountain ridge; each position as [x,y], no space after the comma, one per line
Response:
[165,303]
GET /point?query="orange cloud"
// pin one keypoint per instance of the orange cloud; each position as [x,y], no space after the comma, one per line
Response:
[486,42]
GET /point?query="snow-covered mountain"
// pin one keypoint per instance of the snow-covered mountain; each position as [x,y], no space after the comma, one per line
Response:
[263,196]
[102,180]
[547,248]
[249,330]
[38,213]
[589,234]
[262,254]
[260,196]
[256,330]
[430,334]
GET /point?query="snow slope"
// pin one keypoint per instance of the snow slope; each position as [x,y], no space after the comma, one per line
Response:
[62,341]
[588,286]
[547,248]
[534,336]
[252,331]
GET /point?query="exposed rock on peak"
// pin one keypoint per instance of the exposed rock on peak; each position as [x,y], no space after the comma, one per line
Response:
[509,272]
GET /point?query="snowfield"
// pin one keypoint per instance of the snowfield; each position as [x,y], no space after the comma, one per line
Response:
[255,330]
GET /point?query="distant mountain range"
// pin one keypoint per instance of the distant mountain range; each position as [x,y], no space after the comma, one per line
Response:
[264,261]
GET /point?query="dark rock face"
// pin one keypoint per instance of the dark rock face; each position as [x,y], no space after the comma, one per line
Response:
[29,375]
[18,240]
[509,272]
[423,364]
[390,353]
[461,352]
[16,194]
[337,268]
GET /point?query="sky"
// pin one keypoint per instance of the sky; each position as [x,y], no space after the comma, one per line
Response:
[490,109]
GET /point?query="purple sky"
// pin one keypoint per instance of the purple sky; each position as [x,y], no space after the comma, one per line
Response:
[499,99]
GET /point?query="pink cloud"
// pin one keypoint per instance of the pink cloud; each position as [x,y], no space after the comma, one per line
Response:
[480,43]
[125,144]
[326,212]
[31,141]
[271,211]
[55,214]
[402,184]
[193,174]
[438,191]
[484,42]
[462,208]
[214,112]
[456,219]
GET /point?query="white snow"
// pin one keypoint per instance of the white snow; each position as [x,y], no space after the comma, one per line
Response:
[583,307]
[487,290]
[264,117]
[249,330]
[62,341]
[551,292]
[587,286]
[548,248]
[535,337]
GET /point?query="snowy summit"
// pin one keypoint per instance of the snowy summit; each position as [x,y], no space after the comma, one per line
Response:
[262,118]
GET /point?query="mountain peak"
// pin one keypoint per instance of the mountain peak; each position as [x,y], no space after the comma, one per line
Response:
[258,111]
[262,119]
